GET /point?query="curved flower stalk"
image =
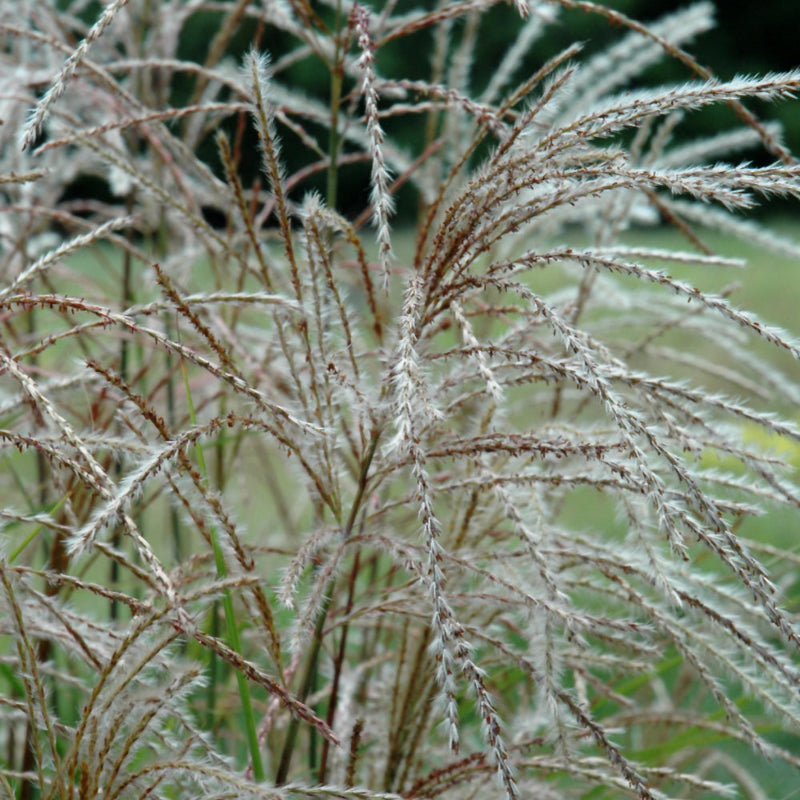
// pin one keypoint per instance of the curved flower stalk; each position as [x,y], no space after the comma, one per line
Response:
[497,498]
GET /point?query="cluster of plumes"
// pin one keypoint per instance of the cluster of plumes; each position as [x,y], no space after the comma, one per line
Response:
[293,507]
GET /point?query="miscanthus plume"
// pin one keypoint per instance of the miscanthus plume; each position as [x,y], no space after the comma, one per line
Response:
[369,437]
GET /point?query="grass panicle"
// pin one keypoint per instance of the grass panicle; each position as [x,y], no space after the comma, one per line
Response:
[405,434]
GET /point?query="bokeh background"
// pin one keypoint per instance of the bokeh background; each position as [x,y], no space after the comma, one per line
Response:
[750,38]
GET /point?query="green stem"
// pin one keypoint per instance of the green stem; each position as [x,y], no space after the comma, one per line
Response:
[124,358]
[230,615]
[14,554]
[316,642]
[337,670]
[308,680]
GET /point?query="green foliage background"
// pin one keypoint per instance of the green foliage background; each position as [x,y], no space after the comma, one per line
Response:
[745,41]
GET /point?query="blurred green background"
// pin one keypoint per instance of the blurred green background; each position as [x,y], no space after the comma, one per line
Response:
[749,38]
